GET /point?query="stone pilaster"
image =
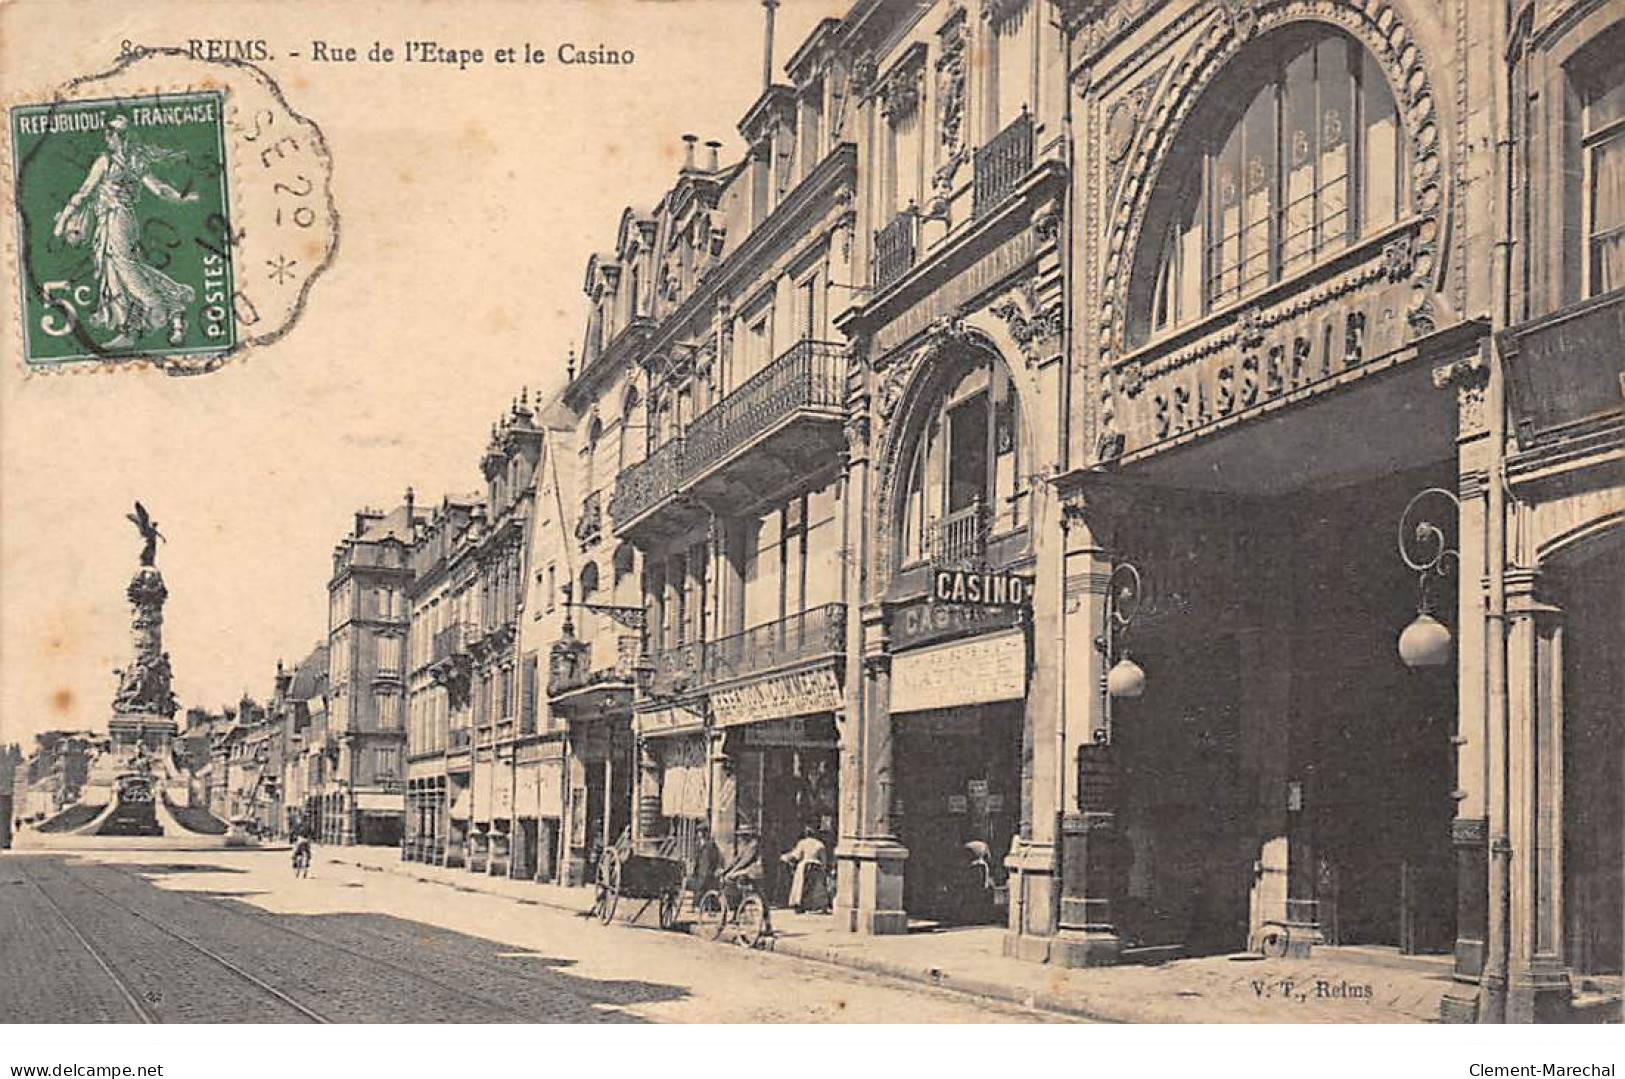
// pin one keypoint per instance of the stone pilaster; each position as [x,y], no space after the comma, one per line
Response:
[1064,869]
[869,892]
[1538,986]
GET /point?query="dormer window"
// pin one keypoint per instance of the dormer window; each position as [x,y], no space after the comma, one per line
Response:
[1309,162]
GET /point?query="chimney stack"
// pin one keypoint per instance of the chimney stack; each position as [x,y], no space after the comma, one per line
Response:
[688,150]
[712,161]
[769,6]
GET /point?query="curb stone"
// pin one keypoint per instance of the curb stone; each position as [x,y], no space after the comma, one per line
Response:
[789,947]
[1115,1011]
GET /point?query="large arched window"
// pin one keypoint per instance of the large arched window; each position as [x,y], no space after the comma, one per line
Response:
[964,472]
[1294,158]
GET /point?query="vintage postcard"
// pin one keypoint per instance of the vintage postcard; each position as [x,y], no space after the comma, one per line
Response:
[814,511]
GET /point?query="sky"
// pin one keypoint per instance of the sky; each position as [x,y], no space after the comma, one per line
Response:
[470,202]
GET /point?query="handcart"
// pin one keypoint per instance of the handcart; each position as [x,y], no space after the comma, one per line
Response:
[655,878]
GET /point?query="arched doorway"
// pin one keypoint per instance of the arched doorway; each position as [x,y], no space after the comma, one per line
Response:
[958,503]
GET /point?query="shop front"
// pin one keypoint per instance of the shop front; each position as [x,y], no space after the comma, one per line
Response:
[674,794]
[503,778]
[459,816]
[598,807]
[380,818]
[779,782]
[957,718]
[538,809]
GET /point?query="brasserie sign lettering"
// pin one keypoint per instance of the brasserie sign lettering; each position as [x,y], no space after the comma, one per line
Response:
[981,588]
[1337,333]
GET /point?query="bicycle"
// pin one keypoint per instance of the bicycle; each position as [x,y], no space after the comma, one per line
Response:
[738,903]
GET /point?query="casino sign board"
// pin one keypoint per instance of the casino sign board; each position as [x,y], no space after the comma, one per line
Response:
[981,588]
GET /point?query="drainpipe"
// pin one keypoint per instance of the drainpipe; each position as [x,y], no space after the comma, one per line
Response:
[1493,994]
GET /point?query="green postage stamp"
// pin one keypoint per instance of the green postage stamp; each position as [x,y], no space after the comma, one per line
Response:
[123,228]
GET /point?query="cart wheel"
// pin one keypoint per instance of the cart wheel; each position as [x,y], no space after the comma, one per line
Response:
[609,885]
[751,920]
[668,910]
[713,913]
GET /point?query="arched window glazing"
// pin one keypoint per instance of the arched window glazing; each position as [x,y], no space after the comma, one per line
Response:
[964,482]
[1296,170]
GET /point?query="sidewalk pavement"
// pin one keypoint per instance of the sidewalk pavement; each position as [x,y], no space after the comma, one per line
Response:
[1335,985]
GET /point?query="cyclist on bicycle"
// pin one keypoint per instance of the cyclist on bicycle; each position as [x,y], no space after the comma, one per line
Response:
[743,874]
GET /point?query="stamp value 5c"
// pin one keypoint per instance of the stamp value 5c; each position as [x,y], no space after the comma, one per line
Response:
[124,228]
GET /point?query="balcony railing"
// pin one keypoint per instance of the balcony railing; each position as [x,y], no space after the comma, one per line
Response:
[896,246]
[1001,164]
[677,670]
[772,646]
[960,537]
[571,666]
[819,631]
[643,485]
[808,375]
[450,641]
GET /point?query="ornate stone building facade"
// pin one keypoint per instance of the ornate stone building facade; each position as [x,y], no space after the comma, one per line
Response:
[362,788]
[711,402]
[1177,325]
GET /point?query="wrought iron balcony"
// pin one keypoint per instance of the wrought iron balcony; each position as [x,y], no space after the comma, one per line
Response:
[646,484]
[808,375]
[959,538]
[807,635]
[449,641]
[1002,163]
[571,666]
[795,404]
[897,246]
[677,670]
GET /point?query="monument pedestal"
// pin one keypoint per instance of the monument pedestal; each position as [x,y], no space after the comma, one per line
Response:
[132,729]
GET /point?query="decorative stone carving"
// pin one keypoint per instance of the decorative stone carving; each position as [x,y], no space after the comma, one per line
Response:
[1470,377]
[901,96]
[1241,16]
[1397,259]
[864,71]
[1047,225]
[951,97]
[998,12]
[1033,328]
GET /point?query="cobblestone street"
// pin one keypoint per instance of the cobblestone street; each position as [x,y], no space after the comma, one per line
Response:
[232,937]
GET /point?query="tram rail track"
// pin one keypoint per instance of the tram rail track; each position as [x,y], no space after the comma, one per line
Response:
[142,1012]
[328,944]
[135,1000]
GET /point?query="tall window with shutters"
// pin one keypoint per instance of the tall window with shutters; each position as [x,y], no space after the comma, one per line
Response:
[1297,156]
[1603,168]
